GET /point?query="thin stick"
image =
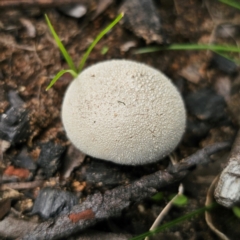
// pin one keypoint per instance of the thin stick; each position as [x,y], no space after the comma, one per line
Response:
[21,185]
[100,206]
[165,211]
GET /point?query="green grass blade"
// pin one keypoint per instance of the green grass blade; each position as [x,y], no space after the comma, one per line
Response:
[228,57]
[212,47]
[97,39]
[59,74]
[174,222]
[149,50]
[60,45]
[236,211]
[231,3]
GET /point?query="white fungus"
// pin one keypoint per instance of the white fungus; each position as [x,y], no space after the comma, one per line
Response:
[123,111]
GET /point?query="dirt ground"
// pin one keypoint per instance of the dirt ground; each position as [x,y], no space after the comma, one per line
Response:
[34,135]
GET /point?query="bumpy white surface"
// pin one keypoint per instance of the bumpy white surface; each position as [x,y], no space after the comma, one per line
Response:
[124,112]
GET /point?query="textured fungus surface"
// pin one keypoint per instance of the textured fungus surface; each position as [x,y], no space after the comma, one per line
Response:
[124,112]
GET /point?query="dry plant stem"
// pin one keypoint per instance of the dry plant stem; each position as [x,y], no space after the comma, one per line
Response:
[227,192]
[98,207]
[46,3]
[21,185]
[208,214]
[165,211]
[200,157]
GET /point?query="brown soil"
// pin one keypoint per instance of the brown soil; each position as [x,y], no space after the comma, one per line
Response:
[29,58]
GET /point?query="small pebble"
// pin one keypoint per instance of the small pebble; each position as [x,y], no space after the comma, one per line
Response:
[51,202]
[49,159]
[206,105]
[74,10]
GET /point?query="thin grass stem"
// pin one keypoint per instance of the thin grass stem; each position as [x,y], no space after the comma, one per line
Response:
[174,222]
[59,74]
[231,3]
[61,46]
[189,47]
[97,39]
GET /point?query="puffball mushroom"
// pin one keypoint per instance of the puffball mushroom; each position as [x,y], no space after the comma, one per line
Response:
[123,111]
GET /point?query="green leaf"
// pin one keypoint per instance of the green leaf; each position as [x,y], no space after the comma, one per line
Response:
[226,55]
[59,74]
[180,200]
[157,197]
[61,46]
[212,47]
[231,3]
[97,39]
[104,50]
[236,211]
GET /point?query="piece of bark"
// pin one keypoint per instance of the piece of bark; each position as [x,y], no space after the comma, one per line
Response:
[98,207]
[106,174]
[14,228]
[200,157]
[22,185]
[50,156]
[101,206]
[109,204]
[141,17]
[14,124]
[73,158]
[192,72]
[227,192]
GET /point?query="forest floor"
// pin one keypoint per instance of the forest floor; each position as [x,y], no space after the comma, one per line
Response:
[35,153]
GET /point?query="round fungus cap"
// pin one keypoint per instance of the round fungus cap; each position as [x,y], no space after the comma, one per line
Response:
[123,111]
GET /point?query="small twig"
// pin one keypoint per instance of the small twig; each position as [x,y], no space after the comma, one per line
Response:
[100,206]
[165,211]
[208,215]
[200,157]
[21,185]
